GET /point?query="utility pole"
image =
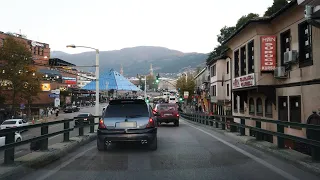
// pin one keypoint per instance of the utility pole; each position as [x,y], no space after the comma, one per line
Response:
[145,87]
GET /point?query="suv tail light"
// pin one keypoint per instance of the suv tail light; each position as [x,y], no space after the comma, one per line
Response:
[101,124]
[177,115]
[151,123]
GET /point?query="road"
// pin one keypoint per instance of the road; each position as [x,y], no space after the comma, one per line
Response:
[25,149]
[186,152]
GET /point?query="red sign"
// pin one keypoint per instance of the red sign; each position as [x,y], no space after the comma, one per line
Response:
[70,82]
[244,81]
[268,52]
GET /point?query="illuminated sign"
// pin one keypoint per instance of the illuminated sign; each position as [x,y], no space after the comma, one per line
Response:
[69,78]
[244,81]
[34,43]
[268,52]
[45,87]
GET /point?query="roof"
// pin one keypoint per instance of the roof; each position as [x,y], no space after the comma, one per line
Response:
[262,19]
[213,60]
[196,76]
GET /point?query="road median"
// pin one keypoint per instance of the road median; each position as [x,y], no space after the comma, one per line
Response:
[38,159]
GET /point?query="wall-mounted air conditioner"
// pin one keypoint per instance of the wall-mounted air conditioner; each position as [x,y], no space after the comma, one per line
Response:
[290,57]
[280,72]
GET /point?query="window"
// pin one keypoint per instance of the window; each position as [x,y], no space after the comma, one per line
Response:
[235,103]
[123,110]
[41,52]
[213,70]
[285,44]
[259,107]
[214,91]
[228,90]
[268,108]
[243,59]
[38,50]
[34,50]
[305,44]
[242,99]
[227,67]
[236,63]
[251,106]
[251,57]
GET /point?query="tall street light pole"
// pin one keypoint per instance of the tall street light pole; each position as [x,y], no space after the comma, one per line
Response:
[97,78]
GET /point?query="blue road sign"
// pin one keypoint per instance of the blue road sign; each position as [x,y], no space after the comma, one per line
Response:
[54,95]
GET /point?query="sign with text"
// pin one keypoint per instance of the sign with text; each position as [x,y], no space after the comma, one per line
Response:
[268,52]
[45,87]
[186,94]
[244,81]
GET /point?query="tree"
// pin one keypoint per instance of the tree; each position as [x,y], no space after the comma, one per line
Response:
[225,33]
[244,19]
[183,85]
[151,82]
[276,6]
[31,89]
[16,58]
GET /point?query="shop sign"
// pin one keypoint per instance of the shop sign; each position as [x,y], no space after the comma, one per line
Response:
[243,81]
[45,87]
[186,94]
[34,43]
[268,52]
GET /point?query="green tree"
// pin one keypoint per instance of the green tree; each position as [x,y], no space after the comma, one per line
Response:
[225,33]
[151,82]
[16,58]
[186,85]
[276,6]
[244,19]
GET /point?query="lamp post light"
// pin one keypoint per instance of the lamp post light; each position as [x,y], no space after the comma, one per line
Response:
[97,77]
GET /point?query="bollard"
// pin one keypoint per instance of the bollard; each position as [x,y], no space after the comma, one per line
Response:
[44,142]
[80,128]
[242,129]
[92,125]
[216,122]
[223,123]
[280,129]
[66,135]
[9,153]
[258,134]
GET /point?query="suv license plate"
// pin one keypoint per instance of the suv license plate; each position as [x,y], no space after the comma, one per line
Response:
[126,124]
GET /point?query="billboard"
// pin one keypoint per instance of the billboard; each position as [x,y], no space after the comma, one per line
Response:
[69,80]
[268,51]
[244,81]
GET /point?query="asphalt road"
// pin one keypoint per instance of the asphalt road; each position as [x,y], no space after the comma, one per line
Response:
[186,152]
[25,149]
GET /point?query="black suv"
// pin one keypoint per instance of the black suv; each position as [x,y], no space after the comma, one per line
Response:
[127,120]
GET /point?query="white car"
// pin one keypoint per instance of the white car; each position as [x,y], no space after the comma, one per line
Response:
[13,123]
[17,138]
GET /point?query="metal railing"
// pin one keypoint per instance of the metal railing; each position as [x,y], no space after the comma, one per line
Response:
[223,120]
[42,141]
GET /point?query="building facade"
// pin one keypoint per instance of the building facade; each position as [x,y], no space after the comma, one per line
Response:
[275,70]
[202,95]
[84,78]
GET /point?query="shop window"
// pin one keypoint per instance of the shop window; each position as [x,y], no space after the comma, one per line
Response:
[305,44]
[251,106]
[251,57]
[235,103]
[243,60]
[268,108]
[295,109]
[285,44]
[236,63]
[259,107]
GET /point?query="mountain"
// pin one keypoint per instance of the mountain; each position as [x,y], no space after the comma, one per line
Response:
[136,60]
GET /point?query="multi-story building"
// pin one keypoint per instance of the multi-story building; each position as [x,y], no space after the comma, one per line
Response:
[275,69]
[84,78]
[202,81]
[220,84]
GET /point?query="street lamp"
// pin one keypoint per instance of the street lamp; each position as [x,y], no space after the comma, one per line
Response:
[97,76]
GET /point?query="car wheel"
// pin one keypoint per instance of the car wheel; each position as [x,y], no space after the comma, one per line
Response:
[18,140]
[154,144]
[101,146]
[176,123]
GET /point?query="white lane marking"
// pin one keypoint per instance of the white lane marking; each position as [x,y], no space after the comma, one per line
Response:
[56,169]
[262,162]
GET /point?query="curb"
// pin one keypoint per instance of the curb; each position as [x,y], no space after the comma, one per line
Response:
[38,159]
[299,159]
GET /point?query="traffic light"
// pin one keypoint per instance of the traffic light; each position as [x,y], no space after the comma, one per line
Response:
[147,99]
[157,78]
[180,99]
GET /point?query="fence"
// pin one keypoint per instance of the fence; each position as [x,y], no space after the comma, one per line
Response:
[41,142]
[215,120]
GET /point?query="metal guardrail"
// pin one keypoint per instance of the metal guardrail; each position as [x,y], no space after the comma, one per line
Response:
[216,120]
[42,140]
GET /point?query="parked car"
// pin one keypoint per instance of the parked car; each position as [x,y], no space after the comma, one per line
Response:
[127,120]
[87,118]
[71,109]
[167,113]
[12,123]
[17,138]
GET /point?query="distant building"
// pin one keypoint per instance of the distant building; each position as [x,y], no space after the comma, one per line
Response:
[84,78]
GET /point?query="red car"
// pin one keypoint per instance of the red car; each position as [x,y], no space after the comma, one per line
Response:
[167,113]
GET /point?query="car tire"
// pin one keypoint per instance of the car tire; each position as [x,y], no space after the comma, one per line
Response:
[101,146]
[176,123]
[154,144]
[18,140]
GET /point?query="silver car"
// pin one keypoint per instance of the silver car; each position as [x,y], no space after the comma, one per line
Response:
[127,120]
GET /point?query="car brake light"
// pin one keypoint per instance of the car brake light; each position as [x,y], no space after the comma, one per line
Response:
[150,123]
[101,124]
[85,119]
[177,115]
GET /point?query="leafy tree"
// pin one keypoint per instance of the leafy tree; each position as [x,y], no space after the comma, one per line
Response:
[16,58]
[244,19]
[225,33]
[183,85]
[276,6]
[151,82]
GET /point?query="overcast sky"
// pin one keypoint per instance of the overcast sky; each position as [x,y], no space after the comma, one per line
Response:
[184,25]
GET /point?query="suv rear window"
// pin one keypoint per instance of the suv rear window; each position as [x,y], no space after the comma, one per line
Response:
[83,115]
[163,107]
[123,110]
